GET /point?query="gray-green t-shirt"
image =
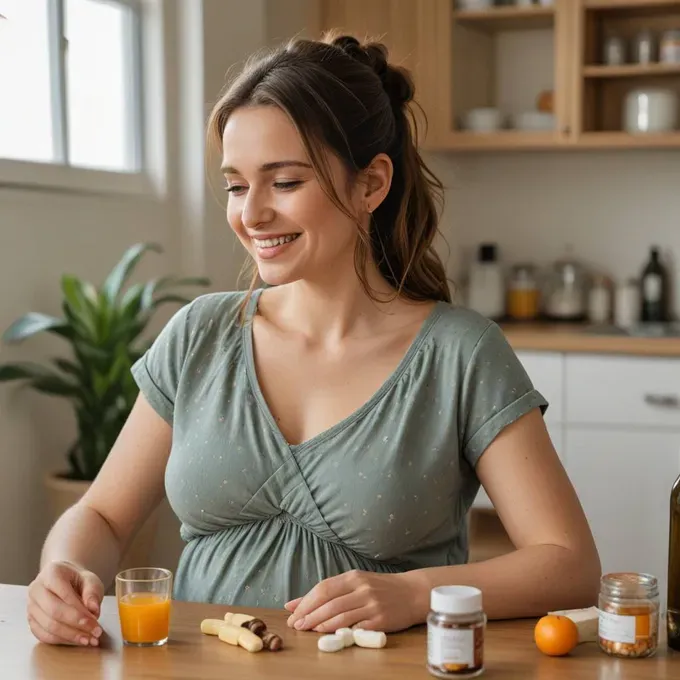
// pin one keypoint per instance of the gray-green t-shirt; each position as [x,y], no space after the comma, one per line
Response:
[387,489]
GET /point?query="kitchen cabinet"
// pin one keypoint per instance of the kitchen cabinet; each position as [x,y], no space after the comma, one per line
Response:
[623,477]
[519,59]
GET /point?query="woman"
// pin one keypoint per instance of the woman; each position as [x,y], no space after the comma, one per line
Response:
[322,439]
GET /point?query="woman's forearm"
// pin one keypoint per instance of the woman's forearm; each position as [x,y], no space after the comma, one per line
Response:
[527,582]
[82,536]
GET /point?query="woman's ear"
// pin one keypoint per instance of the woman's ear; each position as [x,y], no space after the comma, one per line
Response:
[377,179]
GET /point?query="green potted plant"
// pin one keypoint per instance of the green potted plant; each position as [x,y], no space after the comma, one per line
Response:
[103,327]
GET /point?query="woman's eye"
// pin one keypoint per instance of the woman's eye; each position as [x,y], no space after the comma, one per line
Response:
[287,186]
[235,189]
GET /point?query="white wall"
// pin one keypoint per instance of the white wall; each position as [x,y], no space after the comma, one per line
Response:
[609,206]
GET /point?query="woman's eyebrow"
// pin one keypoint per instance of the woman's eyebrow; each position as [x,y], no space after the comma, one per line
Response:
[268,167]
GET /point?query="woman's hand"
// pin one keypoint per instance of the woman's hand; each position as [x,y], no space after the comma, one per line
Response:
[356,598]
[64,603]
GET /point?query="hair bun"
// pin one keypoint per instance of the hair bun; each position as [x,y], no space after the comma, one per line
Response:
[395,80]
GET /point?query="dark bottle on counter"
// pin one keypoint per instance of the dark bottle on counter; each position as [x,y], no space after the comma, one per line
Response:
[673,605]
[654,290]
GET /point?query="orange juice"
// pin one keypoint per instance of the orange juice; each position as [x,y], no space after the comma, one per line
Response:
[144,617]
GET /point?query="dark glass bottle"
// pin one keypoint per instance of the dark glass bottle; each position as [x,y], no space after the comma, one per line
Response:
[673,607]
[654,289]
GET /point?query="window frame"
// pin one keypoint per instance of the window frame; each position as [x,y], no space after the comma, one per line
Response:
[59,174]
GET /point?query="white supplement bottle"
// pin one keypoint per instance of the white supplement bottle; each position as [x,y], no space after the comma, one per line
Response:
[455,632]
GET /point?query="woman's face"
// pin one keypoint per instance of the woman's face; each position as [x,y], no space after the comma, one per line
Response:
[276,205]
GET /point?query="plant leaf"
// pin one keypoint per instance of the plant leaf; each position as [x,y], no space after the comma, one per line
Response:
[80,302]
[24,371]
[120,273]
[33,323]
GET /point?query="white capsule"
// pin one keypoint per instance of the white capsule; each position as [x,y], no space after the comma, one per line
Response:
[372,639]
[346,635]
[330,643]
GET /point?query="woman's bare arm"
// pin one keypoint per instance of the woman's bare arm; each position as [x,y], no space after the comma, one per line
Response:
[556,564]
[95,533]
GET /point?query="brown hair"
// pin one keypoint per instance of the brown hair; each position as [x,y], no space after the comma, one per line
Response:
[346,97]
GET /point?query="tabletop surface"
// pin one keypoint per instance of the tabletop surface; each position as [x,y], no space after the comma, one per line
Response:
[510,653]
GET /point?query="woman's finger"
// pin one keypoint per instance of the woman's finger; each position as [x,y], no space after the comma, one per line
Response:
[51,631]
[43,635]
[292,605]
[323,592]
[348,619]
[60,584]
[57,610]
[330,610]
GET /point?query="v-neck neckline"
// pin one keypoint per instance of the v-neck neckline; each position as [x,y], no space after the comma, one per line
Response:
[247,336]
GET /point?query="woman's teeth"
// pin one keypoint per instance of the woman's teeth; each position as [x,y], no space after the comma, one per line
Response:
[271,242]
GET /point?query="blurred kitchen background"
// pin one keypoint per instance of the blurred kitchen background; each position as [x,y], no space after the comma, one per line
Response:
[554,126]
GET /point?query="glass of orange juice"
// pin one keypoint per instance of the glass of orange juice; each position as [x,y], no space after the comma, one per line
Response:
[144,597]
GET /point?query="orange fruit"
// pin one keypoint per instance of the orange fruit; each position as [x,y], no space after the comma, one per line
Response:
[556,635]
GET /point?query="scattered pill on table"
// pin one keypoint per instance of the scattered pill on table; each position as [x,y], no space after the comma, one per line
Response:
[346,635]
[256,626]
[211,626]
[372,639]
[237,619]
[330,643]
[272,642]
[235,635]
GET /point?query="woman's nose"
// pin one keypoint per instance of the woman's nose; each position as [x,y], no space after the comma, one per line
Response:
[256,210]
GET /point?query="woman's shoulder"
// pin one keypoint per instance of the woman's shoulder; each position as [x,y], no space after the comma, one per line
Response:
[462,330]
[208,317]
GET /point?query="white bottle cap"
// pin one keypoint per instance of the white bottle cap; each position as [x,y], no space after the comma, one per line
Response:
[456,599]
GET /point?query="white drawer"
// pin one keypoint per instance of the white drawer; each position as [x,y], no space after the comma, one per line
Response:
[546,370]
[633,391]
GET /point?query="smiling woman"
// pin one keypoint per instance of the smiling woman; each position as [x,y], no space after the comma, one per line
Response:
[322,438]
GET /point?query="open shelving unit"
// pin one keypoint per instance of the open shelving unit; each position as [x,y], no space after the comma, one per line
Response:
[516,59]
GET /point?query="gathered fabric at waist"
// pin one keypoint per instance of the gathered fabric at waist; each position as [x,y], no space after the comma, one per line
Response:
[264,563]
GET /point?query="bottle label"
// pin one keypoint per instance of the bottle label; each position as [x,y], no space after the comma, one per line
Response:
[451,647]
[617,628]
[652,288]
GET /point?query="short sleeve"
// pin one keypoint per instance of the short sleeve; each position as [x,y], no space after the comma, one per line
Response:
[158,371]
[496,392]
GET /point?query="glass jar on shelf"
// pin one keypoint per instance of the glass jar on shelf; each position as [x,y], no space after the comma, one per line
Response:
[523,293]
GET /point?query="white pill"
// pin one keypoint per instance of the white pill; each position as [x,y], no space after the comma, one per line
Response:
[373,639]
[346,635]
[330,643]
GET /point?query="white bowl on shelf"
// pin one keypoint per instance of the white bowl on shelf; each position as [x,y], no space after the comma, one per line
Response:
[475,5]
[483,119]
[533,121]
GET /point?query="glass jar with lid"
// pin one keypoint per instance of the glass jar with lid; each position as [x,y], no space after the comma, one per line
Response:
[629,614]
[523,293]
[670,47]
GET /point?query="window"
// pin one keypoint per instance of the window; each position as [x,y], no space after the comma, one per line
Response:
[69,83]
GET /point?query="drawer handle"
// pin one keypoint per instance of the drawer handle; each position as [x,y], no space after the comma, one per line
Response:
[663,400]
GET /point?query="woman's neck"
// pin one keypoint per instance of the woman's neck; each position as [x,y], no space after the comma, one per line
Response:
[332,308]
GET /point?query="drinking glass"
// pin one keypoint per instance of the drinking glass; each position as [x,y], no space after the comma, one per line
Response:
[144,600]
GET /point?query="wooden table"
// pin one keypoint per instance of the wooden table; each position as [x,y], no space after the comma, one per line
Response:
[189,655]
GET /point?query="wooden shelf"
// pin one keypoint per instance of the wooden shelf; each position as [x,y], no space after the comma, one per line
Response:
[630,4]
[631,71]
[507,18]
[499,141]
[623,140]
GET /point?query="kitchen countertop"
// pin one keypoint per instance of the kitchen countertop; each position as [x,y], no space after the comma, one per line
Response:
[510,653]
[582,338]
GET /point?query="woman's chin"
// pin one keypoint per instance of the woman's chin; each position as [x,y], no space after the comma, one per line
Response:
[274,276]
